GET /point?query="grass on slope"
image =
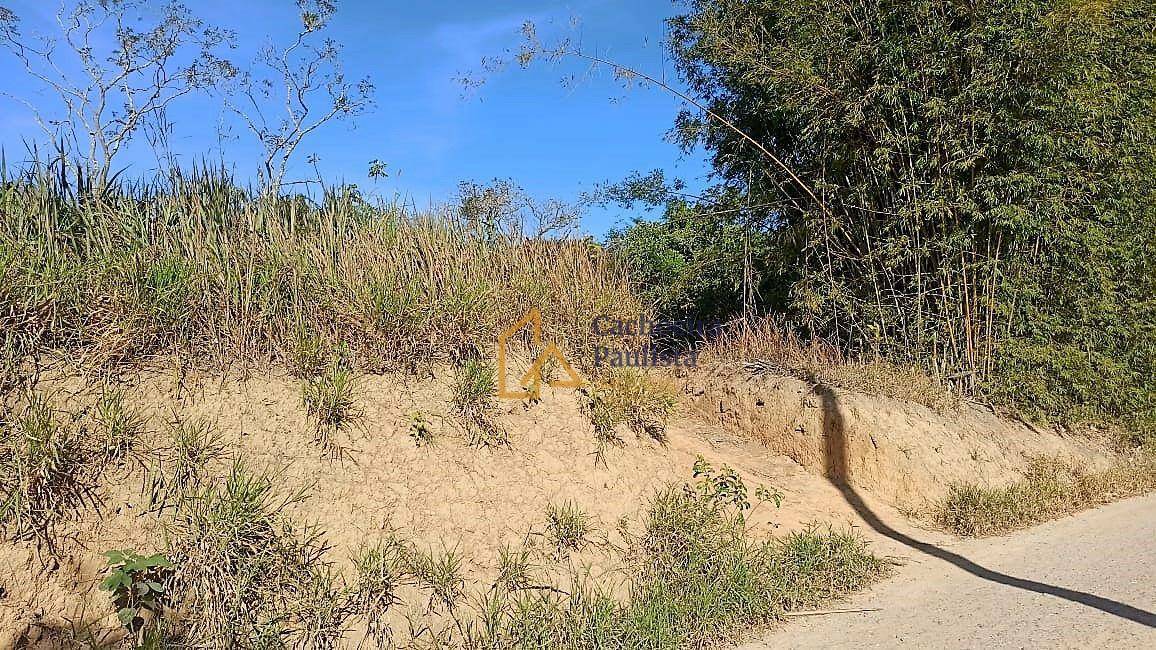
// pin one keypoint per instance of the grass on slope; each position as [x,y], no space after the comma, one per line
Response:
[1050,488]
[200,267]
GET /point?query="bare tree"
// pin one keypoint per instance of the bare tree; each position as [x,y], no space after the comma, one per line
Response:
[110,92]
[294,90]
[503,209]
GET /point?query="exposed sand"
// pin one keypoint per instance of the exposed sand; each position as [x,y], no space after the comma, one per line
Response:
[452,495]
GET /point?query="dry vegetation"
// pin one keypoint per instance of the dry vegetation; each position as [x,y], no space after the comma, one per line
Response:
[200,268]
[1050,488]
[764,346]
[199,273]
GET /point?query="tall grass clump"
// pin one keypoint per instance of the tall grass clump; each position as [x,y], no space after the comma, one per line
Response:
[46,472]
[194,264]
[1050,488]
[246,575]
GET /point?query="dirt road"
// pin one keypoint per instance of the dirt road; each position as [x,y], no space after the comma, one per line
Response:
[1087,581]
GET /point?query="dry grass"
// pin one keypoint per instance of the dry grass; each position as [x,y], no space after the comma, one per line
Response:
[763,345]
[1050,488]
[46,464]
[640,401]
[199,267]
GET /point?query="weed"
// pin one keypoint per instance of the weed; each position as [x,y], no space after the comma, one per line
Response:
[328,400]
[380,570]
[180,466]
[1050,488]
[44,465]
[440,573]
[693,579]
[473,398]
[136,584]
[766,346]
[196,263]
[567,528]
[475,385]
[248,576]
[309,354]
[513,567]
[120,426]
[420,429]
[642,402]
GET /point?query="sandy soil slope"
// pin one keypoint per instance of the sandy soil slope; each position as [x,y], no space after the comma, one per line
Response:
[452,495]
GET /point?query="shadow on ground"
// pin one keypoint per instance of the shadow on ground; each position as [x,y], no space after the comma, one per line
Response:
[838,472]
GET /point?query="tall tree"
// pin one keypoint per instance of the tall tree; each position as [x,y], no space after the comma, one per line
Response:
[977,176]
[115,67]
[294,89]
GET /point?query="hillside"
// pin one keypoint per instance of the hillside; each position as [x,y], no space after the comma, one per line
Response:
[379,479]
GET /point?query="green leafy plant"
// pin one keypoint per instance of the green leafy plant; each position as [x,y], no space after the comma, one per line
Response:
[136,583]
[725,487]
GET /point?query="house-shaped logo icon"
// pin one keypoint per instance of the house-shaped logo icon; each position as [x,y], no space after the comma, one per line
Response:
[531,381]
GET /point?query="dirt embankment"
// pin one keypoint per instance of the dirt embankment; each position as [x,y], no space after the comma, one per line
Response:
[775,432]
[903,453]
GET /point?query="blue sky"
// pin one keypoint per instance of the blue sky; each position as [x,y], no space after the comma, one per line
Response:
[554,140]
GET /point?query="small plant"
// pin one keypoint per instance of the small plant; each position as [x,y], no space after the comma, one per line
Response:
[328,399]
[567,528]
[771,495]
[626,397]
[726,488]
[513,567]
[44,465]
[474,400]
[723,486]
[441,574]
[136,583]
[121,426]
[180,466]
[475,386]
[380,571]
[308,356]
[420,429]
